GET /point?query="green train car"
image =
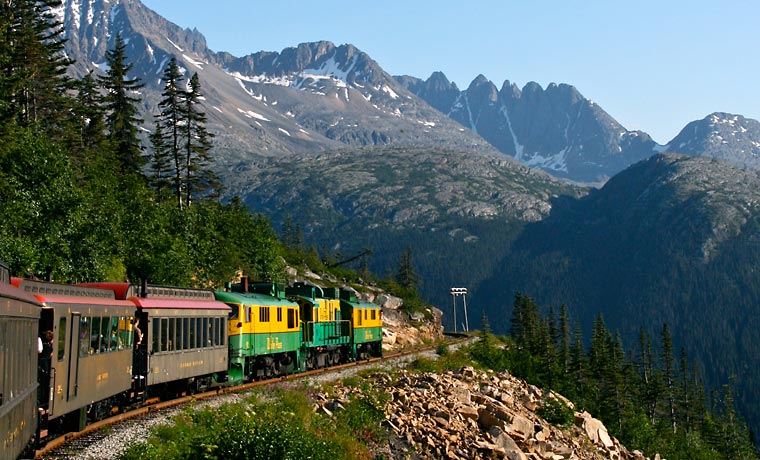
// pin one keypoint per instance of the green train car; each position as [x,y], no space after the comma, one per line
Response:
[326,334]
[366,321]
[264,333]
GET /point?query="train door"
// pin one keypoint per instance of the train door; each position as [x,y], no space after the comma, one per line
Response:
[45,357]
[72,378]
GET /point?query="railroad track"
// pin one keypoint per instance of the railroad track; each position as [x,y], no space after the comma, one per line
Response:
[95,439]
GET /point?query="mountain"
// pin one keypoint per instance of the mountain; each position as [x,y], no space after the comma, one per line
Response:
[672,239]
[314,97]
[725,136]
[555,129]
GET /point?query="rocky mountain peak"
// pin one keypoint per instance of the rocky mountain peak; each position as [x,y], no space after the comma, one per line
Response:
[720,135]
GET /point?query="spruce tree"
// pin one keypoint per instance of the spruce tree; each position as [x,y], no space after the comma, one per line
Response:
[159,176]
[668,374]
[122,117]
[90,119]
[200,177]
[33,81]
[406,275]
[170,119]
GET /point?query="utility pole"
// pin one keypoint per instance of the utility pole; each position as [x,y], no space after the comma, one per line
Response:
[463,292]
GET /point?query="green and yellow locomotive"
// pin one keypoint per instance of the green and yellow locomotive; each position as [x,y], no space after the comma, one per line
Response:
[264,332]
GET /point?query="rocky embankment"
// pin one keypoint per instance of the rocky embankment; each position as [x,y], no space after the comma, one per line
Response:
[480,415]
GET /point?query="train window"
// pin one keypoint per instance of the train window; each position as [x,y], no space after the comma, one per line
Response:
[291,318]
[84,336]
[125,332]
[373,313]
[172,339]
[113,334]
[206,333]
[234,312]
[248,314]
[263,314]
[186,334]
[365,314]
[198,333]
[95,335]
[179,334]
[279,314]
[360,318]
[61,338]
[156,335]
[164,334]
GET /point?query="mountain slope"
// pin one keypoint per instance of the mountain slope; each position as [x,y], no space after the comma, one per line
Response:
[458,212]
[672,239]
[556,129]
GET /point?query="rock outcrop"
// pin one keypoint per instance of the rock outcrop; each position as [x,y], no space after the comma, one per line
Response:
[474,415]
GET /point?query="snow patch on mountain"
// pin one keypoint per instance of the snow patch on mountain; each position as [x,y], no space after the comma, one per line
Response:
[193,61]
[252,114]
[557,162]
[76,12]
[175,45]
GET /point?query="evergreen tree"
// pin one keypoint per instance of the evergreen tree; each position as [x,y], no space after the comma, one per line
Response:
[121,108]
[564,340]
[90,119]
[169,121]
[159,177]
[406,275]
[668,374]
[197,139]
[33,81]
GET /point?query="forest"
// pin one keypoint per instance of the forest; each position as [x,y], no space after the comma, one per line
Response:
[82,197]
[650,396]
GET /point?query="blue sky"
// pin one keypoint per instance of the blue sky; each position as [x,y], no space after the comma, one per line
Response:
[652,65]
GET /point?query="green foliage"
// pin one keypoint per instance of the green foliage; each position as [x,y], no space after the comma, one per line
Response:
[278,423]
[645,402]
[556,412]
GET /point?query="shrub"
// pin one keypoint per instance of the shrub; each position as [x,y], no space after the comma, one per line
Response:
[556,412]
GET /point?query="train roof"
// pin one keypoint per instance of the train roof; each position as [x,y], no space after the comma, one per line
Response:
[124,290]
[360,304]
[53,293]
[178,304]
[252,298]
[12,291]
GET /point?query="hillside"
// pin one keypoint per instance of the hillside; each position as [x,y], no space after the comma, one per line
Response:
[671,240]
[455,210]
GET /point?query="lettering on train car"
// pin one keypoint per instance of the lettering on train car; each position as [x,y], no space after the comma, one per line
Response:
[273,343]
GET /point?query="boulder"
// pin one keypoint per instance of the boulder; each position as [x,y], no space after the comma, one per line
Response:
[388,301]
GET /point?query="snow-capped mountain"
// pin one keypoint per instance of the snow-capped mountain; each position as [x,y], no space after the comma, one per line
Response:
[318,96]
[306,99]
[556,129]
[725,136]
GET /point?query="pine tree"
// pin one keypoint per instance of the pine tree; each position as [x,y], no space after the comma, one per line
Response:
[200,177]
[406,275]
[667,374]
[564,340]
[121,108]
[170,119]
[33,81]
[90,119]
[159,177]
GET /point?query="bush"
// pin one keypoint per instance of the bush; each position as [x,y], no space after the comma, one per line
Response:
[285,429]
[556,412]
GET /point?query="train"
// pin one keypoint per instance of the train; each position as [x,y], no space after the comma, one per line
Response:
[71,354]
